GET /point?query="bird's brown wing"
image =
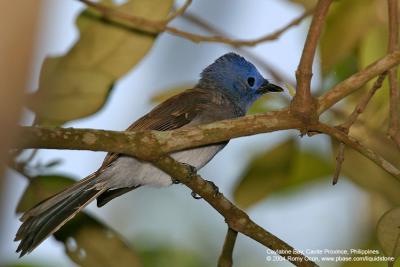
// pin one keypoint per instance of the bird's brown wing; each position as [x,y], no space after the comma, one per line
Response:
[171,114]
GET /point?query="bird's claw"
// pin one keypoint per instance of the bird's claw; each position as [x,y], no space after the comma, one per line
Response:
[192,171]
[215,188]
[174,181]
[195,195]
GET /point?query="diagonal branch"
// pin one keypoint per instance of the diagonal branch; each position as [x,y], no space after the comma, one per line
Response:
[225,259]
[236,219]
[355,81]
[394,128]
[303,103]
[356,145]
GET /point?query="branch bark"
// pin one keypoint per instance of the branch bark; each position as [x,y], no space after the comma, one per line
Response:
[152,144]
[303,104]
[394,128]
[225,259]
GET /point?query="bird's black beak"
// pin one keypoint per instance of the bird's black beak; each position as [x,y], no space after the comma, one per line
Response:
[268,87]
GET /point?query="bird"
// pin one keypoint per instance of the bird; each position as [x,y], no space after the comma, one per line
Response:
[226,89]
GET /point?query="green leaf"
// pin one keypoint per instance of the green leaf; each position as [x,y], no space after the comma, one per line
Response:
[347,23]
[279,169]
[388,231]
[77,84]
[87,242]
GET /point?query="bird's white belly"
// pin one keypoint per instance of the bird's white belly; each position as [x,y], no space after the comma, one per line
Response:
[128,171]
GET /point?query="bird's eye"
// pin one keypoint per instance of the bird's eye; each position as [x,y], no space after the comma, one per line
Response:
[251,81]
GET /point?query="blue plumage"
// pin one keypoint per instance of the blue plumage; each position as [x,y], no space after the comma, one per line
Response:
[237,77]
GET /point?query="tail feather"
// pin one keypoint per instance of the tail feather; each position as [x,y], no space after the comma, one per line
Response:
[48,216]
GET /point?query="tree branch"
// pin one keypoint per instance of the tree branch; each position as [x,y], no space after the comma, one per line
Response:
[303,104]
[394,129]
[225,259]
[236,219]
[151,144]
[151,26]
[355,81]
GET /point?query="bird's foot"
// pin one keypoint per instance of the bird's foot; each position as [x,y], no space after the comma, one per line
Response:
[192,171]
[215,188]
[195,195]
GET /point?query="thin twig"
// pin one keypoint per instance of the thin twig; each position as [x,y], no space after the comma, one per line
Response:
[303,104]
[339,162]
[355,81]
[178,12]
[152,26]
[362,104]
[225,259]
[356,145]
[394,128]
[345,127]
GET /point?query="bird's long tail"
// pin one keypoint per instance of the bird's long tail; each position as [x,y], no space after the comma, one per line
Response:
[49,215]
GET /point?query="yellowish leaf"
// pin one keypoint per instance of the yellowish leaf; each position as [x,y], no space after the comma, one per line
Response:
[77,84]
[388,231]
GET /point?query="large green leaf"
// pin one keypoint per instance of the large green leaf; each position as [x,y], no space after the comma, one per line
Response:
[388,231]
[87,241]
[77,84]
[283,167]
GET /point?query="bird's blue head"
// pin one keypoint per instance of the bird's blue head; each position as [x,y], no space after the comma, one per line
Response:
[238,78]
